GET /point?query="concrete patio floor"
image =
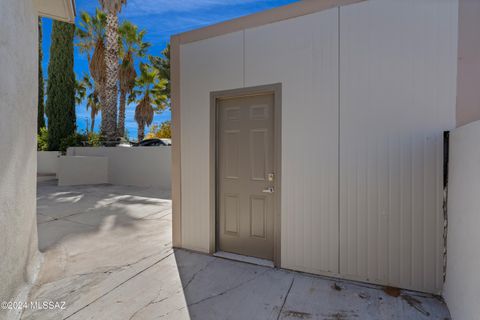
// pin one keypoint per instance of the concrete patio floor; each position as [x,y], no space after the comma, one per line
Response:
[107,255]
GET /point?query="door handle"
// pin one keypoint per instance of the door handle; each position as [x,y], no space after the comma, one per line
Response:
[269,190]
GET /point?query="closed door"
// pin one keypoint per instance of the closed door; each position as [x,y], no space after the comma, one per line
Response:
[245,190]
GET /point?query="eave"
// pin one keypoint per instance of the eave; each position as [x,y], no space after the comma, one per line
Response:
[61,10]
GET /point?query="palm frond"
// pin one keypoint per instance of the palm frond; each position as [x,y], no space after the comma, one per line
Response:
[127,74]
[97,65]
[144,111]
[89,30]
[112,6]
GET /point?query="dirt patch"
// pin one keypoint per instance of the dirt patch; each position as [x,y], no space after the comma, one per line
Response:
[392,291]
[341,315]
[297,314]
[336,287]
[416,304]
[337,316]
[364,295]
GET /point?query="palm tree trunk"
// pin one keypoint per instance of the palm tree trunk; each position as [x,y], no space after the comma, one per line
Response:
[109,128]
[92,115]
[121,114]
[103,100]
[141,130]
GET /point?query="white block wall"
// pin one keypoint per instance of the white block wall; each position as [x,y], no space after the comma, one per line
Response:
[79,170]
[47,162]
[135,166]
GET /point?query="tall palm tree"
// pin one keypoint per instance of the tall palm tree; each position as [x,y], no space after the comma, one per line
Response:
[132,47]
[86,90]
[112,8]
[148,94]
[143,116]
[90,34]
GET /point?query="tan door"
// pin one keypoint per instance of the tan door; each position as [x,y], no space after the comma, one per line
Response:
[245,176]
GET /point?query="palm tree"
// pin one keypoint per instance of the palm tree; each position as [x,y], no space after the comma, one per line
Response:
[132,47]
[162,65]
[90,34]
[80,92]
[86,90]
[148,94]
[112,8]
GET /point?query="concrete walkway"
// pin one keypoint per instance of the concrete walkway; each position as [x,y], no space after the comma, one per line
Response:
[108,255]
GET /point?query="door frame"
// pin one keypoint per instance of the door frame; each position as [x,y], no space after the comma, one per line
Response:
[276,90]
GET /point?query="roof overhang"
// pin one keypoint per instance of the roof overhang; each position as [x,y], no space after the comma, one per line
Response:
[289,11]
[62,10]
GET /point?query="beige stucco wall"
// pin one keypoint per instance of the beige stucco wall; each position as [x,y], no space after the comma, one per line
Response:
[463,264]
[468,97]
[18,155]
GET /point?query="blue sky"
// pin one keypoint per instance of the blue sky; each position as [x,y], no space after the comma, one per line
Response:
[161,19]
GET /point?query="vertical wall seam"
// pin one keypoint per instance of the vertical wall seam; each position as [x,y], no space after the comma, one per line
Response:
[244,58]
[338,166]
[437,210]
[424,213]
[412,211]
[388,207]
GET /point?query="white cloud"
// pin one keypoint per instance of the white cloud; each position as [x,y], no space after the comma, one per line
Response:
[141,7]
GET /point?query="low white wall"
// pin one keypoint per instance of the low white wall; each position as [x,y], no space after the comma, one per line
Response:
[135,166]
[82,170]
[47,162]
[461,291]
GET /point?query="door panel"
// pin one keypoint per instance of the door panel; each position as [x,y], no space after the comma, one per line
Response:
[258,156]
[245,167]
[231,214]
[231,146]
[258,215]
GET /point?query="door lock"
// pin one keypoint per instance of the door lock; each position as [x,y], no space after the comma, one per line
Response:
[271,176]
[269,190]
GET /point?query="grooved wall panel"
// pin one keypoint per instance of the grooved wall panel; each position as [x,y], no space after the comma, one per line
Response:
[209,65]
[397,96]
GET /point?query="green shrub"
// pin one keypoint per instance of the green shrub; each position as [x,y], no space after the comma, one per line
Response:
[78,139]
[60,106]
[74,140]
[162,131]
[94,139]
[42,140]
